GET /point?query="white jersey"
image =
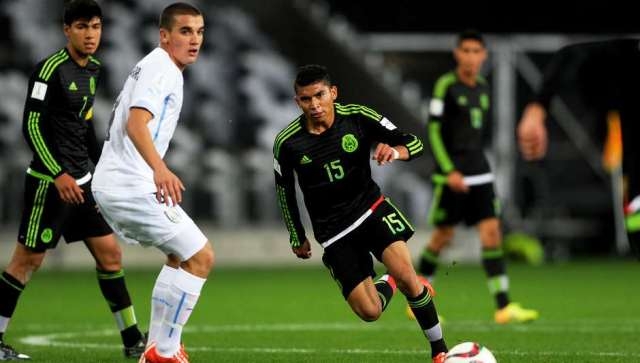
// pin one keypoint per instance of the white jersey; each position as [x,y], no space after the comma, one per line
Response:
[155,84]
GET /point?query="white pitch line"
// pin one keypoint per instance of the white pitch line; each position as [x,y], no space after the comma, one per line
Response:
[57,340]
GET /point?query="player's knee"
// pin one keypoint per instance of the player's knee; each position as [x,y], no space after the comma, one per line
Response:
[23,267]
[441,238]
[369,312]
[491,238]
[201,263]
[110,260]
[207,257]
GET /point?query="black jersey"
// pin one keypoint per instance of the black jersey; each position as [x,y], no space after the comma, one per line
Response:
[333,169]
[57,121]
[458,114]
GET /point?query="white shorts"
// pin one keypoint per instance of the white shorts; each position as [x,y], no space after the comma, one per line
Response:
[143,220]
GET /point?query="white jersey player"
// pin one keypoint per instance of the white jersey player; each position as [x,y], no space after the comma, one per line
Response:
[138,194]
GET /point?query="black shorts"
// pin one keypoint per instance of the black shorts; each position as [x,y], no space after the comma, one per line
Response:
[448,208]
[349,258]
[45,217]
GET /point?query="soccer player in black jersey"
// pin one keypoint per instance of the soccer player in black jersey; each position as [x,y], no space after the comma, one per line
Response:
[463,184]
[605,75]
[58,126]
[329,148]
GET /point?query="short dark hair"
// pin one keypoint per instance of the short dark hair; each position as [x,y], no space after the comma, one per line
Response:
[167,18]
[470,34]
[80,9]
[312,73]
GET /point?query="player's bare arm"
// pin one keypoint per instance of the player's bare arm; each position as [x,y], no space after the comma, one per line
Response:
[386,154]
[303,251]
[167,183]
[68,189]
[455,181]
[532,132]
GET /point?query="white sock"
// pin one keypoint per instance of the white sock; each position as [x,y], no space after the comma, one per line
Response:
[159,300]
[181,299]
[4,323]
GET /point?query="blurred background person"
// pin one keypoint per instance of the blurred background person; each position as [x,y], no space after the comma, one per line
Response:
[606,76]
[463,183]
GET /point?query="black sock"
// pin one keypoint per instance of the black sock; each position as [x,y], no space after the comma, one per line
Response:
[10,289]
[425,312]
[495,268]
[385,291]
[130,336]
[428,263]
[115,292]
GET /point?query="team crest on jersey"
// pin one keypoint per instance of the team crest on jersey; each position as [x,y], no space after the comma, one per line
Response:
[47,235]
[92,85]
[349,143]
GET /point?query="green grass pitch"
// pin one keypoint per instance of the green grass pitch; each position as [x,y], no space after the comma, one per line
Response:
[590,312]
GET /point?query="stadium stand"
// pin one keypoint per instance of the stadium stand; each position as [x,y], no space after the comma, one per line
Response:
[239,96]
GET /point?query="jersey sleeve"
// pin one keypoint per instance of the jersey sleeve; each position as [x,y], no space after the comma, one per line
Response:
[381,129]
[152,88]
[93,146]
[286,194]
[36,119]
[437,116]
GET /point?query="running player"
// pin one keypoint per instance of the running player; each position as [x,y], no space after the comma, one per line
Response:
[329,148]
[605,76]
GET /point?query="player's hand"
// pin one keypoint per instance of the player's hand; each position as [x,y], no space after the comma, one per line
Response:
[455,181]
[304,251]
[532,132]
[68,189]
[169,186]
[385,154]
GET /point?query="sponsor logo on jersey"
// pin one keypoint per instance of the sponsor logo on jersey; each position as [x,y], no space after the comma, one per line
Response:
[305,160]
[349,143]
[462,100]
[73,86]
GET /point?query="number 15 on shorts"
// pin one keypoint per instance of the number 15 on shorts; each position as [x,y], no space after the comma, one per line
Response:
[394,224]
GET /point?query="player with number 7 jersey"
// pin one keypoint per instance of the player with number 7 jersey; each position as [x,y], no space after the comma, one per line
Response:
[329,148]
